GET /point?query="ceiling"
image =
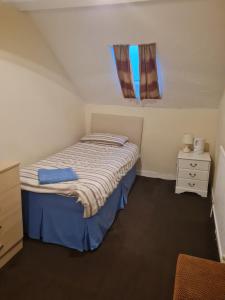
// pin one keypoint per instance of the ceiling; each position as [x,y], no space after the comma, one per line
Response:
[31,5]
[190,44]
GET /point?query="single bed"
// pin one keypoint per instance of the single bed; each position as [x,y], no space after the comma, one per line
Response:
[55,214]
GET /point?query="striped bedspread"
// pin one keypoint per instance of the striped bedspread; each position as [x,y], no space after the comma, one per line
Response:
[99,167]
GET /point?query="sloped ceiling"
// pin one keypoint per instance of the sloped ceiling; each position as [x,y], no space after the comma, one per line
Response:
[190,37]
[29,5]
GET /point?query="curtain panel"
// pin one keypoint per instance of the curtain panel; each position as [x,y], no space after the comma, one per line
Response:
[123,70]
[149,87]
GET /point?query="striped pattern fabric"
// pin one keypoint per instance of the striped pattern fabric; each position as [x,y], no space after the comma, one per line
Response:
[99,168]
[149,87]
[105,138]
[123,70]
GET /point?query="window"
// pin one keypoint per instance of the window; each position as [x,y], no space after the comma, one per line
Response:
[134,61]
[138,80]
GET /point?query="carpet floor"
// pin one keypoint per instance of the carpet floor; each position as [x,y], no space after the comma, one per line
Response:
[137,259]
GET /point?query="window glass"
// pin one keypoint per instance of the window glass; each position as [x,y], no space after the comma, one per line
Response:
[134,61]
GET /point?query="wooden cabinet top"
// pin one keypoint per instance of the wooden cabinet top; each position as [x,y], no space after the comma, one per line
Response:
[6,165]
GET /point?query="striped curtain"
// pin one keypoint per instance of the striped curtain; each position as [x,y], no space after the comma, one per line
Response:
[149,87]
[123,69]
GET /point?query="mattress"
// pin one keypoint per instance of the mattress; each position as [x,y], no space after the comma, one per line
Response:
[100,168]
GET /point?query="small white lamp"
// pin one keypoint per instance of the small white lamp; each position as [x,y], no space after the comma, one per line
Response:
[187,141]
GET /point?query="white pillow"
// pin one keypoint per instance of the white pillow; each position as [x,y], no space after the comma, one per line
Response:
[105,138]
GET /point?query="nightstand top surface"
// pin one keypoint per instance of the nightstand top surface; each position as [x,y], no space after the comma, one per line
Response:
[192,155]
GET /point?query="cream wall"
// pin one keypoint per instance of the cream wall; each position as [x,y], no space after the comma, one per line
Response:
[40,112]
[218,199]
[220,134]
[221,124]
[163,131]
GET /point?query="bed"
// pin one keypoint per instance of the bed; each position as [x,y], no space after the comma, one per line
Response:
[63,214]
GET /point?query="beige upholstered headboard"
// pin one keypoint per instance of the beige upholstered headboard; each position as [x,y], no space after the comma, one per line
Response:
[123,125]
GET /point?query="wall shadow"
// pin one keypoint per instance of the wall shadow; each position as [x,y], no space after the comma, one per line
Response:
[22,43]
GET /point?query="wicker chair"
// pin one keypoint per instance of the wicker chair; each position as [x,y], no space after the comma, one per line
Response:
[199,279]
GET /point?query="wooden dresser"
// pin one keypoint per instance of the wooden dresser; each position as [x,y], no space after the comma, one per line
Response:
[11,229]
[193,173]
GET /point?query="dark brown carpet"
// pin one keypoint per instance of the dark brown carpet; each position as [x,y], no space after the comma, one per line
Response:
[137,259]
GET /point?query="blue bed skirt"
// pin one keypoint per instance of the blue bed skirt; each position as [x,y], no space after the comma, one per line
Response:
[59,220]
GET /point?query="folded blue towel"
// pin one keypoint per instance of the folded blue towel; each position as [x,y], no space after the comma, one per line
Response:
[46,176]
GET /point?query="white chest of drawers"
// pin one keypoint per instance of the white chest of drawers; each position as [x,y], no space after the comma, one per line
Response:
[193,173]
[11,229]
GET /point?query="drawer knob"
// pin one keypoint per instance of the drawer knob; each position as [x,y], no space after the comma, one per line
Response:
[191,184]
[192,175]
[1,247]
[193,165]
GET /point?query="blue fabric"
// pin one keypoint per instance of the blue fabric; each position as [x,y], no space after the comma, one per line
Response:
[57,219]
[46,176]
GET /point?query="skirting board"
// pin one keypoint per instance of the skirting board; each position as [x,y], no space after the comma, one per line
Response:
[153,174]
[217,232]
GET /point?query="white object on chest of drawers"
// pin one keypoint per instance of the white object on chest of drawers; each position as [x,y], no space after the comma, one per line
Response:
[11,229]
[193,173]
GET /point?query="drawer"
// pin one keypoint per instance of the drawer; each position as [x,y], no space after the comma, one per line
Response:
[190,184]
[9,178]
[11,231]
[193,174]
[10,201]
[194,164]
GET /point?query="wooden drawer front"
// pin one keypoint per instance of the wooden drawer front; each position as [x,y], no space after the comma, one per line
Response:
[8,179]
[194,164]
[193,174]
[11,231]
[190,184]
[10,201]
